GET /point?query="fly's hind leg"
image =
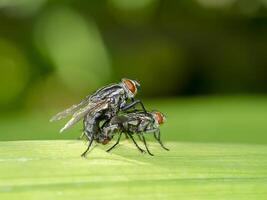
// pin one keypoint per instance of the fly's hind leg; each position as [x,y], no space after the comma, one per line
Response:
[109,132]
[90,130]
[81,136]
[118,141]
[144,141]
[89,145]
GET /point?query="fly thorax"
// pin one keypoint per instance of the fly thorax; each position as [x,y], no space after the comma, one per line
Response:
[114,106]
[133,126]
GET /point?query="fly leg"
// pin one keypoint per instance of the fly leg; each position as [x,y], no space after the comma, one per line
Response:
[81,136]
[132,104]
[90,129]
[139,148]
[89,145]
[159,140]
[118,141]
[144,141]
[140,138]
[156,133]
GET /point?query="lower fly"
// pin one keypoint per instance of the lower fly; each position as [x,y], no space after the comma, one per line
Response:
[136,122]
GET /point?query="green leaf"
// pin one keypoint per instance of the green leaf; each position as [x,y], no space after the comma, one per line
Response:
[54,170]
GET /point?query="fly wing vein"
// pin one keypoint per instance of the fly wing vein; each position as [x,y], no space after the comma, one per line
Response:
[69,111]
[90,108]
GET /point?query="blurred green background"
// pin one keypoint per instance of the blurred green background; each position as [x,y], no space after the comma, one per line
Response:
[201,62]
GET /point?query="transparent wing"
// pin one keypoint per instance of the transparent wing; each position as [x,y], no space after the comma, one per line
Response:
[89,108]
[69,110]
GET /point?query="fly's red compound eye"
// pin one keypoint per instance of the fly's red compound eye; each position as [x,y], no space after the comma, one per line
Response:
[159,118]
[130,85]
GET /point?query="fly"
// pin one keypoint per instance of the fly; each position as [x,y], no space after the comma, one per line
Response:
[136,122]
[103,104]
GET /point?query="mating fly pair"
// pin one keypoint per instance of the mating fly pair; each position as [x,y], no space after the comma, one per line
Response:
[135,122]
[102,106]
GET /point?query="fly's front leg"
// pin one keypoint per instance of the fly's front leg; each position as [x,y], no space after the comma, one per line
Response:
[156,133]
[132,100]
[132,104]
[144,141]
[157,137]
